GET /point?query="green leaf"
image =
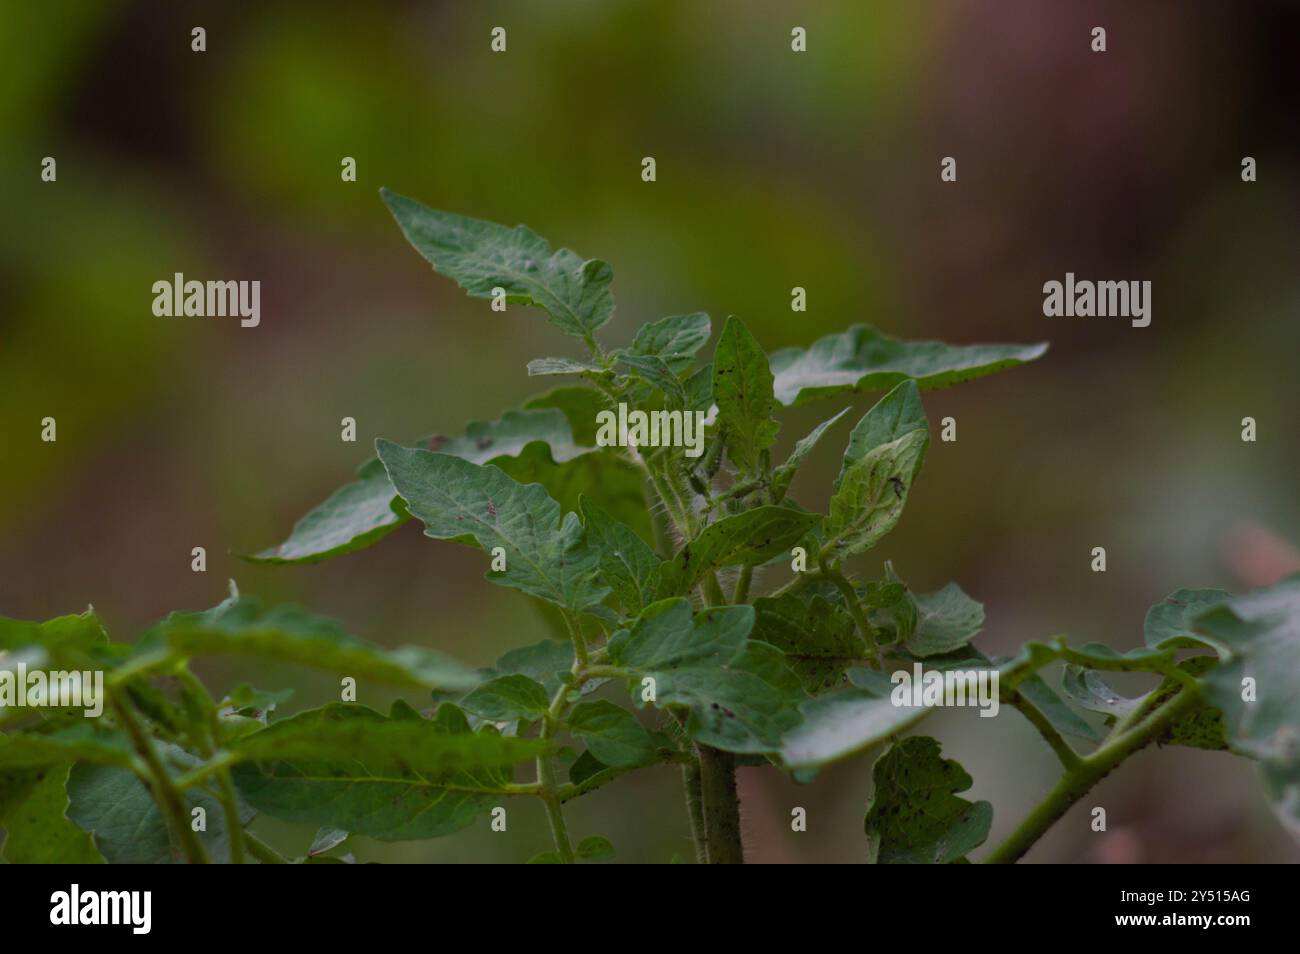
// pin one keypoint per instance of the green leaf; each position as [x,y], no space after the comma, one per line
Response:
[742,539]
[595,848]
[880,465]
[1258,638]
[699,389]
[655,371]
[674,339]
[890,607]
[540,367]
[1089,690]
[784,475]
[741,695]
[240,626]
[895,415]
[546,662]
[586,767]
[506,698]
[613,735]
[612,482]
[1169,623]
[579,405]
[259,701]
[368,509]
[818,637]
[352,518]
[1202,728]
[510,436]
[841,724]
[1048,702]
[627,564]
[114,806]
[33,810]
[84,741]
[55,638]
[863,359]
[399,743]
[946,620]
[915,815]
[399,790]
[1031,686]
[481,256]
[742,389]
[545,556]
[872,494]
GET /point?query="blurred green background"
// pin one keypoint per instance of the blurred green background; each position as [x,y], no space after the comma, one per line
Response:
[775,169]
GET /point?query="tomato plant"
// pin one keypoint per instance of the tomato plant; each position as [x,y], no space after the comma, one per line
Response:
[709,621]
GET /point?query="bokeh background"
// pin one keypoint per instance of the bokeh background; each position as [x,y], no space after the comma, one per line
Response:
[775,169]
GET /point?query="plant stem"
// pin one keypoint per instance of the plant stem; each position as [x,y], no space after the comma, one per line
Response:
[559,830]
[1090,770]
[1069,758]
[575,634]
[548,788]
[262,851]
[741,594]
[225,786]
[695,809]
[721,807]
[713,590]
[230,808]
[798,583]
[168,797]
[870,649]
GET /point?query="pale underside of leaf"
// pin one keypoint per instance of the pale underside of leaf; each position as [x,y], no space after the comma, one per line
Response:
[863,359]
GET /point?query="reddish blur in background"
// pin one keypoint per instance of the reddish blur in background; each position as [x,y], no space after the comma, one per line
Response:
[775,169]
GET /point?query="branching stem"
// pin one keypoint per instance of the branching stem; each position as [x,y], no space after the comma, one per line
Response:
[1088,771]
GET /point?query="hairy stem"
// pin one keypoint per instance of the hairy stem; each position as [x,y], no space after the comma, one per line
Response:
[721,807]
[1089,770]
[575,635]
